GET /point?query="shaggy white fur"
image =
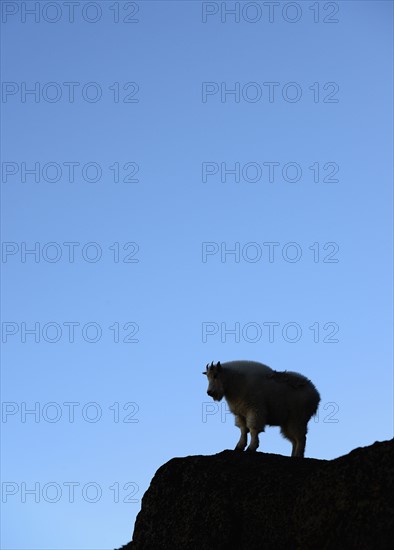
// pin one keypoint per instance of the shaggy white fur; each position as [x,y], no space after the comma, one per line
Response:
[258,396]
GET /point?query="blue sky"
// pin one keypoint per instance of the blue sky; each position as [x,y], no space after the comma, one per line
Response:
[133,213]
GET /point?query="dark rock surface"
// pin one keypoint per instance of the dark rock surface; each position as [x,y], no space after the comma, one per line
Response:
[250,501]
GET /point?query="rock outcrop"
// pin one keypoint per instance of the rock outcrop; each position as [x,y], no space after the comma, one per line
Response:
[250,501]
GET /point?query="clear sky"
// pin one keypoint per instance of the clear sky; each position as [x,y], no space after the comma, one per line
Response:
[184,182]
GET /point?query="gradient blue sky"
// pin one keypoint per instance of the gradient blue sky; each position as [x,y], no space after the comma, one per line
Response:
[170,212]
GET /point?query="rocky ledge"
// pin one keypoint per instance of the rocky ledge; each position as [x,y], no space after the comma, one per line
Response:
[250,501]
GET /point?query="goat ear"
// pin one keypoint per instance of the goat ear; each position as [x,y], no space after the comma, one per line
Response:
[204,373]
[218,366]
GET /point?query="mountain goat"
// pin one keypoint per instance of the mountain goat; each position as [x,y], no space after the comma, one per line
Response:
[258,396]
